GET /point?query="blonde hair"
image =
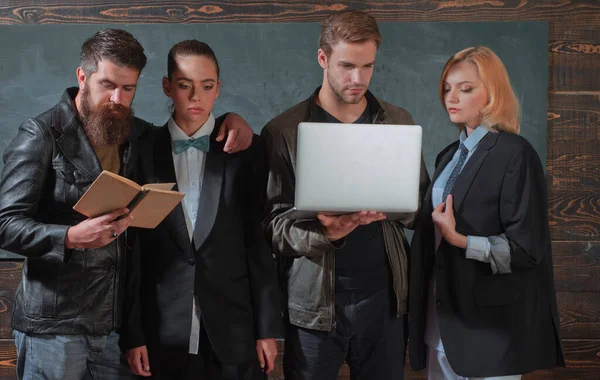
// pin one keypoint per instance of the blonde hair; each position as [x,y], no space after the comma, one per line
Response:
[502,113]
[350,26]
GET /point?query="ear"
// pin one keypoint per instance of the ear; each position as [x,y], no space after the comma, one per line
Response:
[166,85]
[322,58]
[218,88]
[80,78]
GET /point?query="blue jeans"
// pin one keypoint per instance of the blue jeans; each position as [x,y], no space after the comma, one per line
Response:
[70,357]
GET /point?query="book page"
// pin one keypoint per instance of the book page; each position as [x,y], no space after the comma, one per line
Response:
[155,206]
[109,192]
[159,186]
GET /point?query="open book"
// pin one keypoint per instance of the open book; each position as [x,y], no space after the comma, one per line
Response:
[148,204]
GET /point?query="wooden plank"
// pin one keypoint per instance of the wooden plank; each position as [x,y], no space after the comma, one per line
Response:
[571,19]
[574,65]
[8,359]
[10,276]
[583,362]
[579,315]
[573,117]
[576,266]
[572,166]
[574,190]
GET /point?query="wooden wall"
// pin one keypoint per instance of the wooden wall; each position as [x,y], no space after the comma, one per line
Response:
[573,163]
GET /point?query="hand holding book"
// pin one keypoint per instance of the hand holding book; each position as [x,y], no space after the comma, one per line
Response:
[148,204]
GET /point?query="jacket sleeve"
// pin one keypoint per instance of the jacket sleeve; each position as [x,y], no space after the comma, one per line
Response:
[266,296]
[524,209]
[408,219]
[25,181]
[288,237]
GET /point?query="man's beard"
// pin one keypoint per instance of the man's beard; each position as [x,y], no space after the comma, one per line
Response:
[338,90]
[106,124]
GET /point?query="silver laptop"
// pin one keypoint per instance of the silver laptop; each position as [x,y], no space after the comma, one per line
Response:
[344,168]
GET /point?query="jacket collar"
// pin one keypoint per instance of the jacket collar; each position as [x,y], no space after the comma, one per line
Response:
[471,168]
[210,193]
[377,110]
[72,140]
[75,145]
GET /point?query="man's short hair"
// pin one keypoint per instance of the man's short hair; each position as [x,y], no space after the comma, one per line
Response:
[348,26]
[115,45]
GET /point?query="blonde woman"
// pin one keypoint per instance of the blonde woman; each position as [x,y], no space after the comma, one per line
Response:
[482,296]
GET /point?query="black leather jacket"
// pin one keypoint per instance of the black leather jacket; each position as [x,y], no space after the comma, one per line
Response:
[47,167]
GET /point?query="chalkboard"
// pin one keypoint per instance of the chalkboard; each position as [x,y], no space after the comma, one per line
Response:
[267,68]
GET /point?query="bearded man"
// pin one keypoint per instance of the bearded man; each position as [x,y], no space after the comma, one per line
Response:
[72,299]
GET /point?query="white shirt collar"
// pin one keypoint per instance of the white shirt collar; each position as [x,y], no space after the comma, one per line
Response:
[178,134]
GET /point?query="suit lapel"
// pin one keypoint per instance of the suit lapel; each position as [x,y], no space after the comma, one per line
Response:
[444,161]
[210,194]
[425,221]
[469,171]
[164,171]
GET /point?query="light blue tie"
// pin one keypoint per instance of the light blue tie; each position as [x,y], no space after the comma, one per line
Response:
[201,143]
[456,171]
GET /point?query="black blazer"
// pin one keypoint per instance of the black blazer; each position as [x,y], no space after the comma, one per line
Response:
[228,265]
[491,325]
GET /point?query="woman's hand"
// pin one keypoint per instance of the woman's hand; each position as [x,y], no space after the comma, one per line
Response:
[445,222]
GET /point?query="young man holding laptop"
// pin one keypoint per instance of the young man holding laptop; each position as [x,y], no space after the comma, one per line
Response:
[344,277]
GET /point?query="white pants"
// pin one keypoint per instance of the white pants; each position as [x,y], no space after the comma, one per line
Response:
[438,368]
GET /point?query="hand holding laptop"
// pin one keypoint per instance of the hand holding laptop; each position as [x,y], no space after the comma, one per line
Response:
[338,226]
[343,168]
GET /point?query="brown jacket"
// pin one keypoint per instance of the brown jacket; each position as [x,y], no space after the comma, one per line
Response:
[306,258]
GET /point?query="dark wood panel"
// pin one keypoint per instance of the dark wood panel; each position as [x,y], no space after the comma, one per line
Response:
[10,275]
[574,190]
[8,358]
[574,166]
[570,20]
[577,266]
[574,215]
[574,117]
[579,315]
[574,65]
[583,362]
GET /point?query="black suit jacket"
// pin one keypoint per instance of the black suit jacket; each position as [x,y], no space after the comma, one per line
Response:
[491,325]
[228,264]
